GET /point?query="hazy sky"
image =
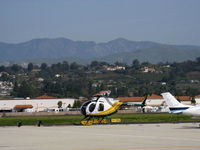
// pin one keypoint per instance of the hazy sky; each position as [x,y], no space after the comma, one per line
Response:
[166,21]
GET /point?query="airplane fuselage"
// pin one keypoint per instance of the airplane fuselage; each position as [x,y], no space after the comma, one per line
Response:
[176,107]
[193,111]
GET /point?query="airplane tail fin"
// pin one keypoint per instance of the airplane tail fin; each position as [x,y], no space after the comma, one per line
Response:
[174,105]
[171,100]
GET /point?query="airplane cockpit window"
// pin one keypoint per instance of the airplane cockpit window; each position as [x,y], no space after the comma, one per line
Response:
[101,107]
[92,107]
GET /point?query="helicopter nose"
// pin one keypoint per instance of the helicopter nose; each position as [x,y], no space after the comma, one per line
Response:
[84,106]
[83,110]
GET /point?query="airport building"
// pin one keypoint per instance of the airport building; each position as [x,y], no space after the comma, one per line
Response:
[153,100]
[49,103]
[131,101]
[153,103]
[41,103]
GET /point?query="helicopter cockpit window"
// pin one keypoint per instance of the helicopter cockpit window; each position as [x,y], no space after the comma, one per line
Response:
[92,107]
[83,108]
[101,107]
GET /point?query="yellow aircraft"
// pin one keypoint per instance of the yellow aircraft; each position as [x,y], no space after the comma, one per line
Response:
[98,108]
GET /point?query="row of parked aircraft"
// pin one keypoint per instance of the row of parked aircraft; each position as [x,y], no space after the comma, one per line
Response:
[102,106]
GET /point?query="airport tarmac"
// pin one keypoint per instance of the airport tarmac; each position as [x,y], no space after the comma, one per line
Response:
[183,136]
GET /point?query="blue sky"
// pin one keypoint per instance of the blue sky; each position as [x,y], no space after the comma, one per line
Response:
[165,21]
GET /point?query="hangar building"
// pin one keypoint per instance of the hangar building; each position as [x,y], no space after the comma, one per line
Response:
[37,104]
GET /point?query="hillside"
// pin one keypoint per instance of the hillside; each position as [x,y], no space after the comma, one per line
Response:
[120,49]
[156,54]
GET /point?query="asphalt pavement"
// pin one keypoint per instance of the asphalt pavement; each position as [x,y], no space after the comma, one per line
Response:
[183,136]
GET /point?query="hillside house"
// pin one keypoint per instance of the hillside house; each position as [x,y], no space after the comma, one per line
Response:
[148,69]
[5,88]
[103,93]
[113,68]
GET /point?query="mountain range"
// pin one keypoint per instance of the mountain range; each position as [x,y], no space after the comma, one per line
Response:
[122,50]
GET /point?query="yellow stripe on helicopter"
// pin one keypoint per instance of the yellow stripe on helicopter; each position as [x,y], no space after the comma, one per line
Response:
[111,110]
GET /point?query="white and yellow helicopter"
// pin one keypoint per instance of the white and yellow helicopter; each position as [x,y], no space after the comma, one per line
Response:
[98,108]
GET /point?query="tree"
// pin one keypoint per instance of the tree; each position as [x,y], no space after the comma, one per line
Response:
[15,89]
[193,101]
[136,64]
[77,104]
[192,92]
[145,63]
[178,92]
[5,77]
[198,60]
[59,104]
[27,90]
[16,68]
[94,64]
[74,66]
[119,64]
[2,68]
[122,91]
[43,66]
[30,67]
[65,66]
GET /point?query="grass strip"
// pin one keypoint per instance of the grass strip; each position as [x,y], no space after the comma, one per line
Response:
[70,120]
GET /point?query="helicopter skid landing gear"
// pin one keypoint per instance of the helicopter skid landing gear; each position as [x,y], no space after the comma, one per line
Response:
[99,120]
[94,120]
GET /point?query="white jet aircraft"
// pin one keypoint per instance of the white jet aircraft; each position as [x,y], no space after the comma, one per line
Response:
[176,107]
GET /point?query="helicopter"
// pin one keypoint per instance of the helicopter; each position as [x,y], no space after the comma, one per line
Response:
[97,109]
